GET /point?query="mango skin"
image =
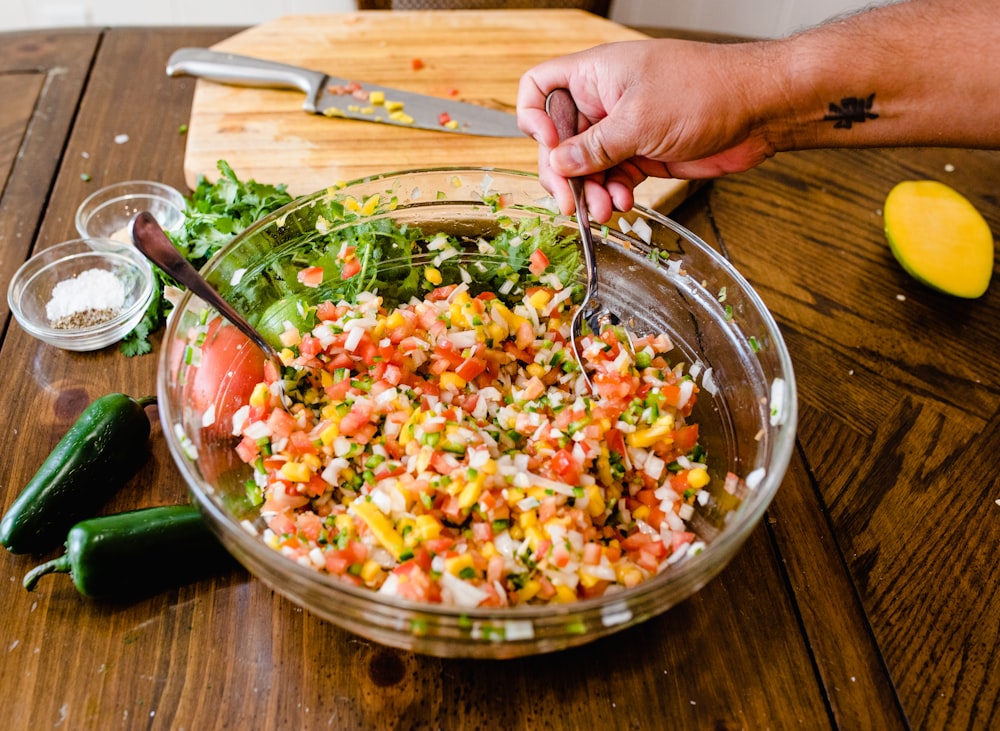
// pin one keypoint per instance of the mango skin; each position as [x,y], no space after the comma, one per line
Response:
[939,238]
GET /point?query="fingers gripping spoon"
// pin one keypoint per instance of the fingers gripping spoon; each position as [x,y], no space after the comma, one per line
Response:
[562,110]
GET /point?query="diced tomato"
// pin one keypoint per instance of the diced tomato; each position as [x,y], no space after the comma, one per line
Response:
[359,415]
[614,385]
[439,546]
[482,531]
[281,423]
[247,449]
[309,525]
[686,437]
[300,443]
[338,390]
[565,467]
[281,524]
[310,276]
[445,351]
[416,584]
[327,311]
[680,537]
[350,268]
[635,541]
[417,64]
[452,509]
[470,368]
[444,118]
[310,346]
[441,293]
[231,366]
[538,263]
[525,336]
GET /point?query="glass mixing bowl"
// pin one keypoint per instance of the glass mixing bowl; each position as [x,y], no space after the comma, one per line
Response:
[662,275]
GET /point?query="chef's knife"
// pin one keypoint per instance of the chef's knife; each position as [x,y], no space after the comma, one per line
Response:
[334,97]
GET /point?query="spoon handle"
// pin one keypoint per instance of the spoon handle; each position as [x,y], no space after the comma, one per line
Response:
[562,110]
[150,239]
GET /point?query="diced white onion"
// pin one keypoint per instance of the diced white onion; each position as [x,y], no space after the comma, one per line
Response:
[463,594]
[353,339]
[708,382]
[643,230]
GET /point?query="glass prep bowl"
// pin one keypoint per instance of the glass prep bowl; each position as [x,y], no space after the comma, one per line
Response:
[663,276]
[31,289]
[106,213]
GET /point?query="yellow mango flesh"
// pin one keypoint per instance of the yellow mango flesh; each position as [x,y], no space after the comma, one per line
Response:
[939,237]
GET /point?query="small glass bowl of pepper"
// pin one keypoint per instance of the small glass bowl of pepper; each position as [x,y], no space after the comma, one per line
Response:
[83,294]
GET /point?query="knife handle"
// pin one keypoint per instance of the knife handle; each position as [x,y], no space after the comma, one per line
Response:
[229,68]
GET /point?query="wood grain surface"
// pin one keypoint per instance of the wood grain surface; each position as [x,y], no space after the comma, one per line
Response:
[869,598]
[472,56]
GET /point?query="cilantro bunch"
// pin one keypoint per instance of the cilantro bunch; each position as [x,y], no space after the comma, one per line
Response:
[215,214]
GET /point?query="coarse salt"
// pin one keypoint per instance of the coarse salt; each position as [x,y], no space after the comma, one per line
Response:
[92,291]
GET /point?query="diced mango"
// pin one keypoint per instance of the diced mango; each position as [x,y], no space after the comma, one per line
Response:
[644,438]
[329,434]
[427,527]
[470,494]
[451,381]
[295,472]
[595,501]
[370,571]
[260,396]
[380,526]
[457,564]
[564,594]
[539,299]
[432,275]
[697,478]
[529,590]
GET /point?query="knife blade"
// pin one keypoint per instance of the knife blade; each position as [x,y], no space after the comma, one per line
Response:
[335,97]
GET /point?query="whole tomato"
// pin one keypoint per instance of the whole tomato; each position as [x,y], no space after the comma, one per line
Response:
[230,367]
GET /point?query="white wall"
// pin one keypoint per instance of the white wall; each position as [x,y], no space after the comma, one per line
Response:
[760,18]
[742,17]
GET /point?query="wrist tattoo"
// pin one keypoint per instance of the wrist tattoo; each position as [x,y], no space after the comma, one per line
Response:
[850,110]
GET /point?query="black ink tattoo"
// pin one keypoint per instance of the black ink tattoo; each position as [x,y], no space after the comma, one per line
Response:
[850,110]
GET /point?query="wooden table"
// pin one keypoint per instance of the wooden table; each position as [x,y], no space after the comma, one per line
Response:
[869,598]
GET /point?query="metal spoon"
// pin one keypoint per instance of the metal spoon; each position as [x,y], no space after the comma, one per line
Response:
[562,109]
[150,239]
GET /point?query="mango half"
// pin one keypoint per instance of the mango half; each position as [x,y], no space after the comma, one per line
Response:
[939,237]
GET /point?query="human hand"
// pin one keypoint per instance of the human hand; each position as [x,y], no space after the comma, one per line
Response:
[657,108]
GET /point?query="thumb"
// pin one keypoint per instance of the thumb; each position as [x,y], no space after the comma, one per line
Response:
[599,147]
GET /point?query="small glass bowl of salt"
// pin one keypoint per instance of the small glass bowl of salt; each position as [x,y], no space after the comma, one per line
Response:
[83,294]
[108,212]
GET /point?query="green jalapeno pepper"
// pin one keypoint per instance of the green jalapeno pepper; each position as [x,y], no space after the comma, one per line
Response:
[99,453]
[133,555]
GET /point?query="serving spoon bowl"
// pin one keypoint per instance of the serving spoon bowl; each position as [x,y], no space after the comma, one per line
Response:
[562,110]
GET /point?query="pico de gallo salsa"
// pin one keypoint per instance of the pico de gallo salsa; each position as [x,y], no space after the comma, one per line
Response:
[447,448]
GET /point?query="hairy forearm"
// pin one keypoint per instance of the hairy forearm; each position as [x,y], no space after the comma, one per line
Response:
[923,72]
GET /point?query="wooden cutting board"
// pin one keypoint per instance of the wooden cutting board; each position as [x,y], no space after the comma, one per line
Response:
[473,56]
